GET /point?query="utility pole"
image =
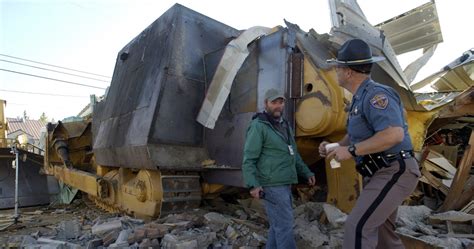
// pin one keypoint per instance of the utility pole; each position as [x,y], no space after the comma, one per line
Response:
[17,166]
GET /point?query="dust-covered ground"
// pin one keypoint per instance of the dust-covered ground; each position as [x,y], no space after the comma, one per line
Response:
[217,224]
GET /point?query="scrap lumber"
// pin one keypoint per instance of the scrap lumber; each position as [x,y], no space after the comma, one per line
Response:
[450,152]
[439,160]
[450,218]
[435,162]
[467,195]
[432,167]
[433,181]
[460,179]
[469,208]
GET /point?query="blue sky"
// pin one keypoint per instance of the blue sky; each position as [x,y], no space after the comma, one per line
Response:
[87,35]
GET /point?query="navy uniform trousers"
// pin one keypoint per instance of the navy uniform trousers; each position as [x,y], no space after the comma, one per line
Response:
[371,223]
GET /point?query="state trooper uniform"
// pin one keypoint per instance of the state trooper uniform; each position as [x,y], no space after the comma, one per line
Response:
[389,176]
[371,222]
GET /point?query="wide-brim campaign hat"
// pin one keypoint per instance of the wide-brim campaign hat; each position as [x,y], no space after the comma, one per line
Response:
[354,52]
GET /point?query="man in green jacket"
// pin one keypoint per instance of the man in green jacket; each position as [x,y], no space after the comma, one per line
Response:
[271,164]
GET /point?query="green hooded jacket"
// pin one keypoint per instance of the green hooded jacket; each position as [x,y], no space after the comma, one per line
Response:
[267,158]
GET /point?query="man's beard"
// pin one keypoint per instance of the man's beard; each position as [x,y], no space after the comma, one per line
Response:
[275,114]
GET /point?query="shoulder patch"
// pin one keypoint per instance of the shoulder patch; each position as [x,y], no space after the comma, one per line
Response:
[379,101]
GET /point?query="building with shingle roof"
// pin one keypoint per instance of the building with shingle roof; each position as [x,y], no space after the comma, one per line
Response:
[31,128]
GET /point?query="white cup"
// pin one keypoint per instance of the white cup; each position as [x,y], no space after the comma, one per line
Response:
[331,146]
[334,164]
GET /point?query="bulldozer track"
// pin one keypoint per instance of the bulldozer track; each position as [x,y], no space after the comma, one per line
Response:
[180,193]
[94,203]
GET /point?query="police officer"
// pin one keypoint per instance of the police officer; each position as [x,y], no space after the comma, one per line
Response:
[377,138]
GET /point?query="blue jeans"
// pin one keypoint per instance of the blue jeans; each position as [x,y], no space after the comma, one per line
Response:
[280,216]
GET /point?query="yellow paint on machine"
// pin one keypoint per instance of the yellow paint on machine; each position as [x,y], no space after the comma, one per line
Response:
[418,123]
[320,112]
[320,115]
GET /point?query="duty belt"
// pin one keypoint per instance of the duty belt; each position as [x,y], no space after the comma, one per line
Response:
[371,163]
[404,154]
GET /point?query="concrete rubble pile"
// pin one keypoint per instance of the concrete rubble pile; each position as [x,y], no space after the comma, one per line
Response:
[419,223]
[317,225]
[194,229]
[320,225]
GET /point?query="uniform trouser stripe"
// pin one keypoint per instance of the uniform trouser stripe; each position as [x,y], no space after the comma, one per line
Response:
[376,203]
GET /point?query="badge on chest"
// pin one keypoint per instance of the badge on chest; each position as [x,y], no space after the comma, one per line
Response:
[354,111]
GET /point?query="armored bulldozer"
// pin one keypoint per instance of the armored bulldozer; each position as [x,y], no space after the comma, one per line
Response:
[171,128]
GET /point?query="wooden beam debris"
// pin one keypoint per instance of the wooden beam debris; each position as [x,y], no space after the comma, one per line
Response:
[460,178]
[469,208]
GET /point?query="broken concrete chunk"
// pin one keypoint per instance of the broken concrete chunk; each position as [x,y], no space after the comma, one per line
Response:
[213,217]
[413,220]
[172,242]
[206,239]
[19,241]
[155,243]
[131,239]
[451,243]
[249,224]
[425,229]
[146,243]
[182,225]
[139,234]
[123,236]
[217,222]
[119,245]
[407,231]
[242,215]
[231,233]
[341,221]
[133,220]
[261,239]
[86,235]
[110,237]
[335,216]
[452,216]
[310,210]
[69,229]
[308,234]
[414,242]
[336,238]
[467,243]
[50,243]
[94,243]
[36,234]
[410,216]
[204,236]
[100,229]
[192,219]
[154,231]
